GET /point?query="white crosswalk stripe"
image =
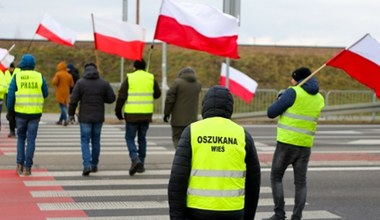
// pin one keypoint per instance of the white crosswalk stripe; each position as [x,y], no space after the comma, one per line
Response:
[113,192]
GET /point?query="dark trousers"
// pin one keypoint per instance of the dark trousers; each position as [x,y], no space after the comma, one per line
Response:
[284,156]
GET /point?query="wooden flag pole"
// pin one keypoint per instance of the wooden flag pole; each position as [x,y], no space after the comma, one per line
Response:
[311,75]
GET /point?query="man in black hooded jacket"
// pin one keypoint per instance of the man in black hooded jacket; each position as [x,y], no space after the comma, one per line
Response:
[216,170]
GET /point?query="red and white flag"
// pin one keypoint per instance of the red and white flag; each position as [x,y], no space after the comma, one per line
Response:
[240,84]
[55,32]
[199,27]
[361,61]
[5,59]
[119,38]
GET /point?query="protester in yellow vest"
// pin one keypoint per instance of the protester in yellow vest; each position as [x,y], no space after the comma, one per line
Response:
[299,108]
[26,94]
[10,117]
[216,170]
[3,90]
[136,95]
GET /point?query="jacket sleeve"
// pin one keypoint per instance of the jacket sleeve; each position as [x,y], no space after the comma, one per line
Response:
[157,90]
[170,98]
[253,179]
[45,88]
[55,80]
[110,95]
[74,99]
[283,102]
[122,96]
[179,177]
[11,98]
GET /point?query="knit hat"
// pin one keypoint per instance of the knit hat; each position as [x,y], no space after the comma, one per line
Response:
[27,62]
[139,64]
[301,73]
[186,70]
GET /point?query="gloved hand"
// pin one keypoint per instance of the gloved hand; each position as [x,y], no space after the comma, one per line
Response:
[119,115]
[166,118]
[71,119]
[279,94]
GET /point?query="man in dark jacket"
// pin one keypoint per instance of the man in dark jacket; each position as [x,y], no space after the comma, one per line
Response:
[299,108]
[182,102]
[216,171]
[136,95]
[92,92]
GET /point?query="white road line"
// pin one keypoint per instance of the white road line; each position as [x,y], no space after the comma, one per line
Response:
[103,153]
[126,205]
[93,182]
[365,142]
[99,173]
[77,148]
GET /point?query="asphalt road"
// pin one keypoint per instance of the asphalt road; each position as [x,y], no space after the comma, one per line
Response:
[342,180]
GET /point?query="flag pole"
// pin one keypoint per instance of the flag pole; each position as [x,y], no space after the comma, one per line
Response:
[150,55]
[31,41]
[95,51]
[8,52]
[311,75]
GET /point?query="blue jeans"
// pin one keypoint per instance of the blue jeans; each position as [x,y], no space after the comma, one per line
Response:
[26,130]
[131,129]
[90,132]
[298,157]
[63,116]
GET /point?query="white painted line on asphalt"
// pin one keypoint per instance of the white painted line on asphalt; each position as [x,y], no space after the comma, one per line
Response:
[99,173]
[103,153]
[365,142]
[77,148]
[306,215]
[127,205]
[93,182]
[146,217]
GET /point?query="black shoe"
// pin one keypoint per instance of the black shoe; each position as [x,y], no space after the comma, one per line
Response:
[12,134]
[27,171]
[86,171]
[94,169]
[20,169]
[141,169]
[136,164]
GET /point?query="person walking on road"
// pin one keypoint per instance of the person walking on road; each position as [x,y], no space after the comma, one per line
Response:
[26,94]
[91,92]
[299,108]
[216,171]
[3,91]
[181,103]
[136,95]
[63,81]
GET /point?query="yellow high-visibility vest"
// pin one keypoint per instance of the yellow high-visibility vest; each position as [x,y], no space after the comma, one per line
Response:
[140,92]
[218,169]
[297,125]
[29,96]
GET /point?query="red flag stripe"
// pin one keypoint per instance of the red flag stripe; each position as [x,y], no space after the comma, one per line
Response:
[170,31]
[237,89]
[51,36]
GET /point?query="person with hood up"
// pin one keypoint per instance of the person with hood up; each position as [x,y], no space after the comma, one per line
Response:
[26,95]
[181,103]
[92,92]
[299,108]
[216,171]
[63,81]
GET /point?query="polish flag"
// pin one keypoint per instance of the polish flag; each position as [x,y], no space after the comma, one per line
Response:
[53,31]
[240,84]
[361,61]
[5,59]
[119,38]
[199,27]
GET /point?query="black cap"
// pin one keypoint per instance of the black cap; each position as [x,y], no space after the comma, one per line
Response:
[301,73]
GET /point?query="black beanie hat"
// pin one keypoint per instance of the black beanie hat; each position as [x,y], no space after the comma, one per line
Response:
[301,73]
[139,64]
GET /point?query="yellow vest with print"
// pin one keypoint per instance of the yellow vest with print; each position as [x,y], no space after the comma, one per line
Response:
[218,169]
[140,92]
[297,125]
[29,97]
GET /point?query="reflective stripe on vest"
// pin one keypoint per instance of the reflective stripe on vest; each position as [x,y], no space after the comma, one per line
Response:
[29,97]
[298,124]
[218,168]
[140,92]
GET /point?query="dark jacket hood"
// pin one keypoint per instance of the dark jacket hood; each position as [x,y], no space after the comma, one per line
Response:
[90,72]
[311,86]
[218,102]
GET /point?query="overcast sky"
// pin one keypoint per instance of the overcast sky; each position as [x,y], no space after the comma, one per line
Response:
[264,22]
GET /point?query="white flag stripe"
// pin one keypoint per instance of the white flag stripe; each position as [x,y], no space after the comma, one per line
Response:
[119,29]
[5,58]
[368,48]
[63,32]
[205,19]
[241,78]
